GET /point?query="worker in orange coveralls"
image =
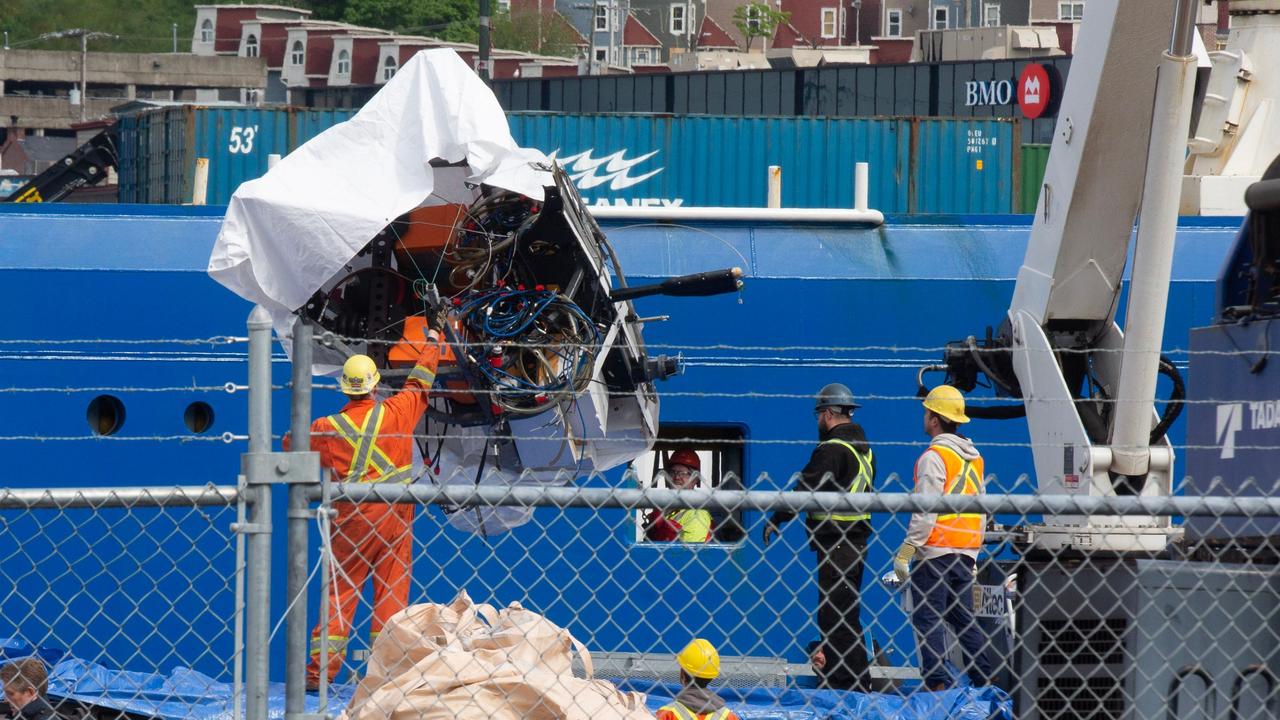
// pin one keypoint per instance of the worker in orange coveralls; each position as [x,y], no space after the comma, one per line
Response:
[370,441]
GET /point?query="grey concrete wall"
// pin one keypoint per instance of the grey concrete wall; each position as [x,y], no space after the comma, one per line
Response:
[162,69]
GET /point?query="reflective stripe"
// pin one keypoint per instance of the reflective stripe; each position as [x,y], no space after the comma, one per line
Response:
[337,644]
[422,375]
[364,450]
[720,714]
[365,442]
[861,483]
[963,477]
[679,711]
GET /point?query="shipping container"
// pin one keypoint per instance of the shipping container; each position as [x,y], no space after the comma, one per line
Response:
[970,88]
[916,165]
[711,161]
[1035,158]
[962,166]
[158,150]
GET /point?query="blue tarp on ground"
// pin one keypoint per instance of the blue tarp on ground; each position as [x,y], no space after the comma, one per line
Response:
[799,704]
[185,694]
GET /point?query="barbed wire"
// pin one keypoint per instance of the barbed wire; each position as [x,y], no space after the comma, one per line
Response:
[328,338]
[229,437]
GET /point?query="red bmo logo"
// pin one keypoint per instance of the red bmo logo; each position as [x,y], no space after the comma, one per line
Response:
[1033,91]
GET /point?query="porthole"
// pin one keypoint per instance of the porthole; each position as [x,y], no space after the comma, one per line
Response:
[105,415]
[198,417]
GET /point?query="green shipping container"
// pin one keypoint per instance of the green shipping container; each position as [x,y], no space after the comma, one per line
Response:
[1034,160]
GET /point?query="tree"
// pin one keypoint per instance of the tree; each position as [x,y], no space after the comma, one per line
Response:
[758,19]
[140,25]
[544,33]
[453,20]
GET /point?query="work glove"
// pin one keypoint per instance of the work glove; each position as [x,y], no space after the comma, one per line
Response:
[770,532]
[902,562]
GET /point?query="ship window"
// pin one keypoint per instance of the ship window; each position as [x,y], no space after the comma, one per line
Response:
[105,415]
[198,417]
[719,449]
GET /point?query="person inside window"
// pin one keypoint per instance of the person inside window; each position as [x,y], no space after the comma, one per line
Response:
[688,525]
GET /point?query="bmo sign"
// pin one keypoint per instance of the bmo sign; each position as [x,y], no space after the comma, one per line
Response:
[1031,92]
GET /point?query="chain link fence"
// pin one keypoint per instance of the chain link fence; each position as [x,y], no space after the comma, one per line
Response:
[532,599]
[128,595]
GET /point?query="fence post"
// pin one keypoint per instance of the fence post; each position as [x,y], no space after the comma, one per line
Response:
[258,585]
[296,650]
[775,186]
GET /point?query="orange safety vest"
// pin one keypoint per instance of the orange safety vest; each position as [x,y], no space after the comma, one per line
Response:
[964,477]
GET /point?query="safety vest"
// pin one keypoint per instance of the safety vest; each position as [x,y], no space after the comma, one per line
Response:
[366,455]
[695,525]
[683,713]
[964,477]
[861,483]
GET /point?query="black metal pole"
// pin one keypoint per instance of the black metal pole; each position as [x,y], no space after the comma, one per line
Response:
[483,68]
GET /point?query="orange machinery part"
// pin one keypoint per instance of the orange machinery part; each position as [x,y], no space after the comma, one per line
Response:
[405,352]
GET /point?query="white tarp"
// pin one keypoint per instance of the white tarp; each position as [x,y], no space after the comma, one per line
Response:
[289,231]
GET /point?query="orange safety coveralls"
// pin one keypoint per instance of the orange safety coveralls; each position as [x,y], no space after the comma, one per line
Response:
[369,537]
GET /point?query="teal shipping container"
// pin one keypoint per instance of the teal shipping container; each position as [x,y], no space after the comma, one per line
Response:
[158,150]
[917,165]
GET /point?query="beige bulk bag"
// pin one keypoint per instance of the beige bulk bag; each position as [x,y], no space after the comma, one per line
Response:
[470,661]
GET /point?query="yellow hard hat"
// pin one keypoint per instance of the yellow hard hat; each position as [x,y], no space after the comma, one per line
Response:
[359,375]
[700,660]
[947,402]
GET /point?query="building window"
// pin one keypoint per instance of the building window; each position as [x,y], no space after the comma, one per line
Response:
[1070,10]
[940,18]
[602,18]
[893,23]
[753,18]
[206,31]
[251,46]
[388,68]
[297,54]
[504,6]
[344,63]
[828,22]
[678,18]
[642,56]
[719,457]
[601,54]
[991,15]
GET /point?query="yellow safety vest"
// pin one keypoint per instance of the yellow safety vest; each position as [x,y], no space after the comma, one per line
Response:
[367,455]
[684,713]
[861,483]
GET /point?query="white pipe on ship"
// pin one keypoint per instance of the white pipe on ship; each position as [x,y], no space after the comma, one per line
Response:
[731,214]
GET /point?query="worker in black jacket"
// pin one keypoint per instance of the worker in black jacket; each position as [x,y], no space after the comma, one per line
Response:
[842,462]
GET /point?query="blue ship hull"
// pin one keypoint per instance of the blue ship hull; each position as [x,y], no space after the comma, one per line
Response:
[878,303]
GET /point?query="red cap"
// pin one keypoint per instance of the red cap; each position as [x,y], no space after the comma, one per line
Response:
[686,457]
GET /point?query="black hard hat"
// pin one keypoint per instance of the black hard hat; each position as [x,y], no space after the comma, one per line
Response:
[837,396]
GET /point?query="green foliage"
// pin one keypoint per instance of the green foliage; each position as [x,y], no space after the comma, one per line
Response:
[543,33]
[758,19]
[142,25]
[447,19]
[147,25]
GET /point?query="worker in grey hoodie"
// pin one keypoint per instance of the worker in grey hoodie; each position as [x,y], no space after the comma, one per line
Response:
[699,665]
[947,545]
